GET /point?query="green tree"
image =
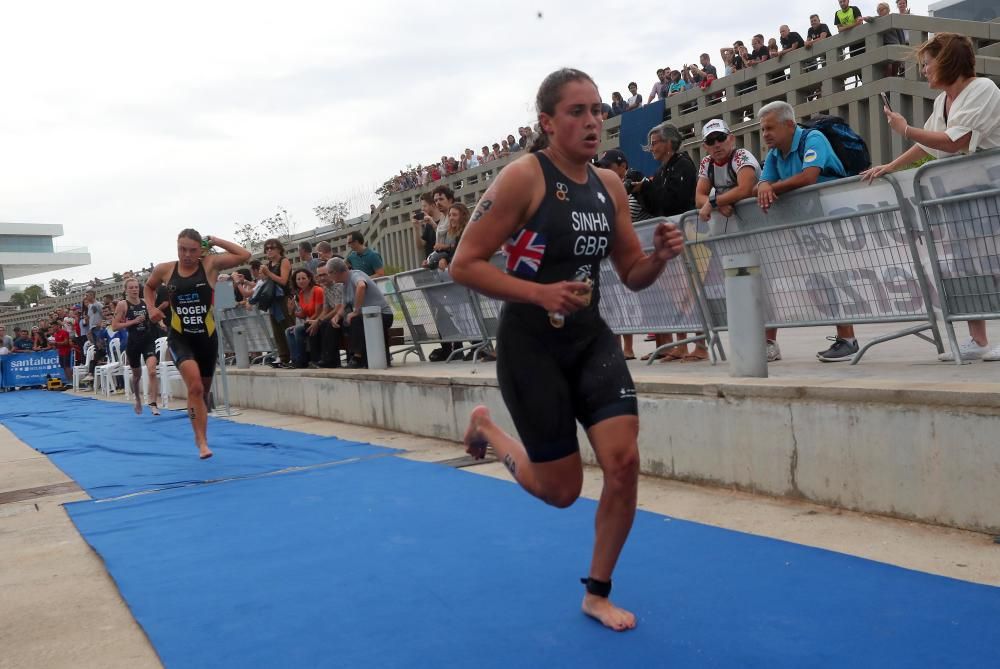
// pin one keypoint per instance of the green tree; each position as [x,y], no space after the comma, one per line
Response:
[116,276]
[59,286]
[334,214]
[279,226]
[248,236]
[20,300]
[34,293]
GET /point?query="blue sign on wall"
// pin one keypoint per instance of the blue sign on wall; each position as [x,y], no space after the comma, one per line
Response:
[30,369]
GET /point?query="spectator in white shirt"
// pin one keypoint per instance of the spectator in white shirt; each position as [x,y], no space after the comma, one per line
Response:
[635,100]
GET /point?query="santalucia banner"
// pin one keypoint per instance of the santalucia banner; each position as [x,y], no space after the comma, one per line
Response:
[20,370]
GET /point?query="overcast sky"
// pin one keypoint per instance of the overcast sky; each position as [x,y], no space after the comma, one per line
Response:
[126,123]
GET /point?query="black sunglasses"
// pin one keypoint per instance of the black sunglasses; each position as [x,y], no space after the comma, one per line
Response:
[269,247]
[715,138]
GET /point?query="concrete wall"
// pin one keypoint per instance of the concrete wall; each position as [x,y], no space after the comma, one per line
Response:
[924,454]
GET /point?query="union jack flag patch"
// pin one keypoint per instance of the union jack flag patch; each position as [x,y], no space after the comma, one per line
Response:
[524,253]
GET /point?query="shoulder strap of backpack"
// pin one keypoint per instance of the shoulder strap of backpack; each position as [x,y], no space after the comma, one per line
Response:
[802,143]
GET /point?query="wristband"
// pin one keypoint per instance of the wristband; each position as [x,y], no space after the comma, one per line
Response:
[712,201]
[906,132]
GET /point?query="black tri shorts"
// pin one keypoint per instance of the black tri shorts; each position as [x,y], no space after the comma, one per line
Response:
[552,379]
[203,349]
[139,347]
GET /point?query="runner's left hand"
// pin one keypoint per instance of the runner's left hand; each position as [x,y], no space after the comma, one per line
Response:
[668,241]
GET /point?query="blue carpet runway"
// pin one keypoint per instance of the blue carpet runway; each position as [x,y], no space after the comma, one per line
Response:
[383,562]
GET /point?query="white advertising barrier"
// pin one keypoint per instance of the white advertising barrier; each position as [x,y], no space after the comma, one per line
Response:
[958,200]
[669,305]
[841,252]
[959,203]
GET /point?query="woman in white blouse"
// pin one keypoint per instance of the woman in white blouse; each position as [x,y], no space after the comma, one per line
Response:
[966,119]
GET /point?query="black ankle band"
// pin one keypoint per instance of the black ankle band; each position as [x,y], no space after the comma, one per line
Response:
[597,588]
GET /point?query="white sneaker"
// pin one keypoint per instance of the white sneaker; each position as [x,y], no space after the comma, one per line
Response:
[993,355]
[969,350]
[773,351]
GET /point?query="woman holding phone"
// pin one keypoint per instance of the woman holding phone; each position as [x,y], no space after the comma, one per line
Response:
[966,119]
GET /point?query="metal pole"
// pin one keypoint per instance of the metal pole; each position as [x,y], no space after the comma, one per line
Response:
[374,337]
[745,315]
[240,347]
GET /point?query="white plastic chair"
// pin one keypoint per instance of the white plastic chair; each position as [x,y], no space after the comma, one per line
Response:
[80,371]
[165,370]
[104,374]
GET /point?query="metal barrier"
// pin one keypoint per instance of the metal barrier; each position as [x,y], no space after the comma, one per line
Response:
[960,209]
[842,252]
[670,305]
[826,259]
[256,325]
[388,287]
[437,310]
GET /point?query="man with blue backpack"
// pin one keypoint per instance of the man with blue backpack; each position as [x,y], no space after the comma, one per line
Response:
[802,155]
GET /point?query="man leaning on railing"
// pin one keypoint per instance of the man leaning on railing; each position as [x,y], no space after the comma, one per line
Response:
[799,158]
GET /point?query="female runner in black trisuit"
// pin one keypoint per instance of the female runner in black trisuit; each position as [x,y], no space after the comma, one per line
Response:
[558,363]
[191,329]
[131,314]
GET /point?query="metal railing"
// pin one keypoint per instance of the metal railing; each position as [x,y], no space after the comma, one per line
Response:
[843,252]
[961,225]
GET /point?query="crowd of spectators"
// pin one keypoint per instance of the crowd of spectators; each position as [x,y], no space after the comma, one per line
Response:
[67,330]
[425,175]
[669,82]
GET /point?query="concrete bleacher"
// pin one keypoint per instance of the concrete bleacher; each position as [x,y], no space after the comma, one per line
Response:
[850,88]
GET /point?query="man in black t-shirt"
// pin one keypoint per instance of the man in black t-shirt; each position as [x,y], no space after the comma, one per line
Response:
[817,30]
[789,40]
[706,71]
[760,52]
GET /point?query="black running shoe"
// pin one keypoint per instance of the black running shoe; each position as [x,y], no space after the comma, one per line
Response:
[841,351]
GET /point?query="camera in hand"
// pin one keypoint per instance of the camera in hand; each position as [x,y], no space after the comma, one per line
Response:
[632,178]
[419,215]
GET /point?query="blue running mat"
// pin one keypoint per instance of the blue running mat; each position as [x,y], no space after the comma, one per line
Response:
[109,451]
[392,563]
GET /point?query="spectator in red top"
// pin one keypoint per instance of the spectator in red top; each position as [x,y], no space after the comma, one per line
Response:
[64,347]
[308,303]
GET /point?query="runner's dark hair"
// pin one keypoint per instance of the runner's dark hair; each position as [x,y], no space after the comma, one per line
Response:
[549,95]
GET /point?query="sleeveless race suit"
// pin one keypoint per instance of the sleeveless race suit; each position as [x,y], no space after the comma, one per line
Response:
[552,377]
[141,342]
[191,333]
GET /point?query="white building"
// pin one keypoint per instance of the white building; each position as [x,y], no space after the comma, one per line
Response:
[27,249]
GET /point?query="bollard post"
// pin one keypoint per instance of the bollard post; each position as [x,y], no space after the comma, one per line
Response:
[374,337]
[745,315]
[241,348]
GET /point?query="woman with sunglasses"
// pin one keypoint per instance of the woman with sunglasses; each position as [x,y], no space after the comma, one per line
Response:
[278,269]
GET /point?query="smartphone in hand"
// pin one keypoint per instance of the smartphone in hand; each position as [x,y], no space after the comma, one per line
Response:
[885,101]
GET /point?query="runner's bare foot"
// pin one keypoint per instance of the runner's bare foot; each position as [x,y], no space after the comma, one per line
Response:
[475,442]
[601,609]
[203,452]
[138,405]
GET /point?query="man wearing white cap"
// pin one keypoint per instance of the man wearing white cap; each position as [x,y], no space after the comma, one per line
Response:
[723,169]
[726,176]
